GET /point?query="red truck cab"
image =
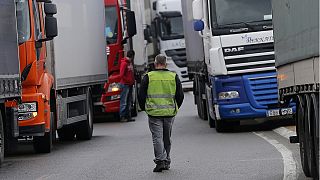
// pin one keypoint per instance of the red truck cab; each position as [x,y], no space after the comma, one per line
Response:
[117,31]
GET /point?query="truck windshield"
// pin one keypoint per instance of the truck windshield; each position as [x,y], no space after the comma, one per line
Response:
[111,30]
[171,28]
[228,12]
[23,21]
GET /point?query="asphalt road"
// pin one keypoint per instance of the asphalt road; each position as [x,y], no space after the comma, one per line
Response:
[123,151]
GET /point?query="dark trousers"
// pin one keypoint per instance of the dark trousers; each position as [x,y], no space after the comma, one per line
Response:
[161,128]
[125,101]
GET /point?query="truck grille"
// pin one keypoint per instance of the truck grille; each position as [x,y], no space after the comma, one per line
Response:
[264,90]
[250,58]
[178,56]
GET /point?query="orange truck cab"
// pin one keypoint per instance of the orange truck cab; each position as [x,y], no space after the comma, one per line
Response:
[120,27]
[36,25]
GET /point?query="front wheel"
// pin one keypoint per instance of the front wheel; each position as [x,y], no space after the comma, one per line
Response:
[301,134]
[315,125]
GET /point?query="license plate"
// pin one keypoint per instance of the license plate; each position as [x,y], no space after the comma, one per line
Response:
[279,112]
[286,111]
[273,112]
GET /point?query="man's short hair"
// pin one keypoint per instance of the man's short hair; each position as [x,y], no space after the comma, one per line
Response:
[130,54]
[160,59]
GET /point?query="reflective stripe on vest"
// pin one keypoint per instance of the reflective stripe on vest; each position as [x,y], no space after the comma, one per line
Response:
[161,94]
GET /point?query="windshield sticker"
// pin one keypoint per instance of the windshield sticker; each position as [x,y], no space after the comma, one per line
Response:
[108,32]
[251,40]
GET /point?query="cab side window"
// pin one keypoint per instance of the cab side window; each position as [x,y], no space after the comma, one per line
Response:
[37,26]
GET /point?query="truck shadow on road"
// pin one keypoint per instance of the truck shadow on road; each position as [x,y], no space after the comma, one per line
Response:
[263,126]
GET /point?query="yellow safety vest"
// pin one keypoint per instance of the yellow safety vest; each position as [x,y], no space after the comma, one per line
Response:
[161,94]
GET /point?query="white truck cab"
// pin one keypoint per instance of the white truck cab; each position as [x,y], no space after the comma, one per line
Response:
[169,36]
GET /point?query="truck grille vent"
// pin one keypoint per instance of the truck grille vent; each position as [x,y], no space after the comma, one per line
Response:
[178,56]
[264,90]
[250,58]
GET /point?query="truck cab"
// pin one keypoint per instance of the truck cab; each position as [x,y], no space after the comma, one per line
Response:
[169,37]
[118,33]
[239,60]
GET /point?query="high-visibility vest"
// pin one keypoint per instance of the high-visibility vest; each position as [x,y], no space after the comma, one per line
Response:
[161,94]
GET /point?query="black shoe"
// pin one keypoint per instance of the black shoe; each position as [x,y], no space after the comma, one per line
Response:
[123,119]
[166,166]
[159,167]
[131,120]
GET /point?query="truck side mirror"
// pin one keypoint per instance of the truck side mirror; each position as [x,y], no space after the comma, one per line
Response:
[198,25]
[50,9]
[51,27]
[197,9]
[131,22]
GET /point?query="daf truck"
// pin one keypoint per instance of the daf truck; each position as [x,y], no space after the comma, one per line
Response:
[296,34]
[168,37]
[234,77]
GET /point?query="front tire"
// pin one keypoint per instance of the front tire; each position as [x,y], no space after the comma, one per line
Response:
[301,134]
[315,100]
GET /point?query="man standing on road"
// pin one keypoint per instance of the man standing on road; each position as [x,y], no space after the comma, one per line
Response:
[126,85]
[161,96]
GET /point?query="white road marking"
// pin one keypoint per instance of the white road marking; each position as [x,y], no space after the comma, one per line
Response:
[285,132]
[289,164]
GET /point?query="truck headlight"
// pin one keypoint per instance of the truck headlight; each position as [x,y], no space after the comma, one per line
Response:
[114,87]
[27,107]
[229,95]
[27,116]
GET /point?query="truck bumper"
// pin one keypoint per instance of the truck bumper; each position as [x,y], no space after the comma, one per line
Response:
[112,106]
[242,111]
[37,130]
[36,124]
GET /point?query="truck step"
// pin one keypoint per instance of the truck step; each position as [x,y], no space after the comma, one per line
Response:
[294,139]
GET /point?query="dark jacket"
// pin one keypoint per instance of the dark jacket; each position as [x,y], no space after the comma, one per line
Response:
[126,72]
[142,96]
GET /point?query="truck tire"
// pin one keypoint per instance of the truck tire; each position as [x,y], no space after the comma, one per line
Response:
[310,148]
[43,144]
[85,128]
[1,140]
[202,107]
[300,115]
[315,125]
